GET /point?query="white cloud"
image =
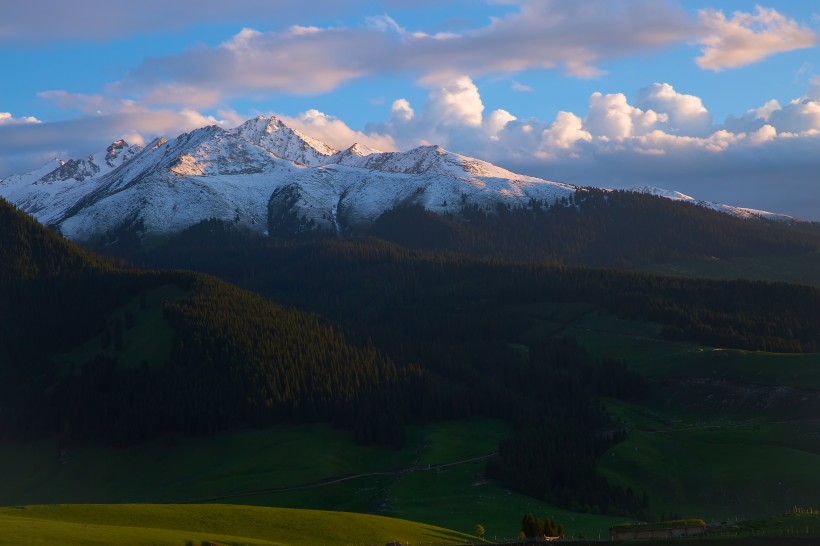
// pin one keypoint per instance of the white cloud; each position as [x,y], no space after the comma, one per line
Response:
[7,119]
[563,134]
[496,122]
[540,34]
[335,132]
[456,102]
[610,117]
[766,133]
[749,37]
[401,111]
[668,139]
[686,114]
[799,116]
[574,37]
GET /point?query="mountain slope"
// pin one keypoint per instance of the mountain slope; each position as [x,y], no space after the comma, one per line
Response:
[82,353]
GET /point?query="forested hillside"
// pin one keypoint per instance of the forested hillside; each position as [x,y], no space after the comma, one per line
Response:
[599,228]
[69,365]
[376,287]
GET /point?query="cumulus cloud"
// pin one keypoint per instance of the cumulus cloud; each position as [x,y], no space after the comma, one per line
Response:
[800,116]
[452,113]
[685,114]
[665,138]
[611,117]
[746,38]
[337,133]
[7,119]
[563,134]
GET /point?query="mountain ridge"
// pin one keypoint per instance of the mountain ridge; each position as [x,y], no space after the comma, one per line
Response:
[268,176]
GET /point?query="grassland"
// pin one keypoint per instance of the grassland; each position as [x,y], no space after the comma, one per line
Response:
[291,462]
[133,525]
[723,434]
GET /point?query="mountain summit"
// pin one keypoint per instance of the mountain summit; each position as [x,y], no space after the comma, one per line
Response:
[264,175]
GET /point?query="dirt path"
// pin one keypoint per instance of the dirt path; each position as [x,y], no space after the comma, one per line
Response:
[338,479]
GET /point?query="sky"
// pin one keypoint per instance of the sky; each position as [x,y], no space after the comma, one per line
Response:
[718,100]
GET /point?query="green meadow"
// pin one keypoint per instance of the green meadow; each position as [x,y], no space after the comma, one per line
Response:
[305,466]
[722,434]
[138,525]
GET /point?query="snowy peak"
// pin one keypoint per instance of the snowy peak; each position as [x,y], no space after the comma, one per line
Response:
[77,169]
[94,165]
[119,152]
[360,150]
[430,160]
[213,151]
[274,136]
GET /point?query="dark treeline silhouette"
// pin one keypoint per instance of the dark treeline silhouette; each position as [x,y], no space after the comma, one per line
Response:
[365,282]
[598,228]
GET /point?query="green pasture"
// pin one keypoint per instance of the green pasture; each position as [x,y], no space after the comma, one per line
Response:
[128,525]
[292,463]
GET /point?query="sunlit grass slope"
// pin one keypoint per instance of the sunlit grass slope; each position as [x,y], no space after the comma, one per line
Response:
[137,525]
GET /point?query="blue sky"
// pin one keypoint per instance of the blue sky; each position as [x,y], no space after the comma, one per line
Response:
[719,100]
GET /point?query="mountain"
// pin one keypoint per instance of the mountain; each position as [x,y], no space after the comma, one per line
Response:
[268,177]
[258,175]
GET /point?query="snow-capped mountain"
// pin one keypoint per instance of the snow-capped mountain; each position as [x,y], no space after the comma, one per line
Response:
[740,212]
[264,174]
[261,168]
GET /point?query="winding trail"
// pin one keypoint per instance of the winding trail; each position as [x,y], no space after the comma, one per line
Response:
[337,479]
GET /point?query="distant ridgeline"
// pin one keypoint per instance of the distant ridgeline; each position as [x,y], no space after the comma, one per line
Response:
[598,228]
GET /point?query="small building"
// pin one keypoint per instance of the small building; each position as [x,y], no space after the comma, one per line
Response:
[661,530]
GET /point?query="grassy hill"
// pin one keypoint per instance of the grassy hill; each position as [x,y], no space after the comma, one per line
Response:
[143,525]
